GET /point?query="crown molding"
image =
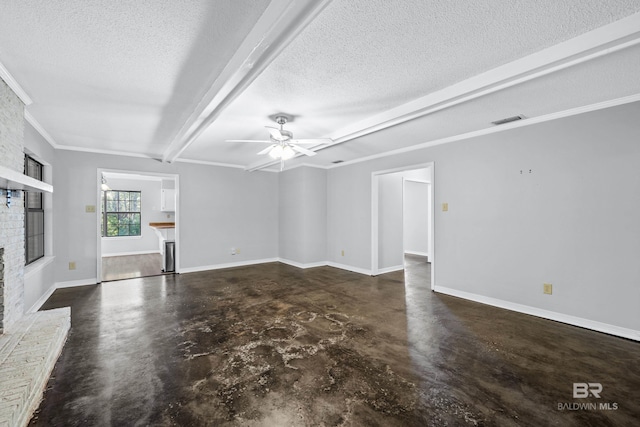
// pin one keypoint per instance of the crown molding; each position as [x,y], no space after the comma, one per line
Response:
[14,85]
[208,163]
[41,130]
[107,152]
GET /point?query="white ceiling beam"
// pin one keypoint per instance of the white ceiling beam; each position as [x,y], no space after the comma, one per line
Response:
[278,26]
[602,41]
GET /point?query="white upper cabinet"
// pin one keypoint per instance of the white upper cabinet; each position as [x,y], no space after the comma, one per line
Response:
[168,200]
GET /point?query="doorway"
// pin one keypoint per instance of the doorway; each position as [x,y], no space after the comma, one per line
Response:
[137,219]
[402,215]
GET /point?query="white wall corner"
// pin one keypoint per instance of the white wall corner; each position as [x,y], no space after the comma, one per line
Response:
[349,268]
[390,269]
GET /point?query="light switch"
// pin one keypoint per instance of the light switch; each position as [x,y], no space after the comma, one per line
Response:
[445,207]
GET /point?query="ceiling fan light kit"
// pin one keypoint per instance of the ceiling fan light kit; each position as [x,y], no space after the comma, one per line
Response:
[283,146]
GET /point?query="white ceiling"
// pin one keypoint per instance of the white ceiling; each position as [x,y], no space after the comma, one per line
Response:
[174,79]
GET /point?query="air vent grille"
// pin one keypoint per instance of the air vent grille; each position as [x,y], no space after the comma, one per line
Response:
[509,119]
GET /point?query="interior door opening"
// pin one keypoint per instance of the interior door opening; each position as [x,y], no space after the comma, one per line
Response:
[402,218]
[137,224]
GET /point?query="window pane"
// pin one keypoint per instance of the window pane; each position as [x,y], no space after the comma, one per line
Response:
[112,224]
[123,217]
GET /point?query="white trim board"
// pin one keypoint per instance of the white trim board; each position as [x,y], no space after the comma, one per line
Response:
[14,85]
[349,268]
[130,253]
[302,265]
[43,298]
[391,269]
[545,314]
[226,265]
[73,283]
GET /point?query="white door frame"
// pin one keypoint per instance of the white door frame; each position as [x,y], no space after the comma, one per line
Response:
[173,176]
[375,179]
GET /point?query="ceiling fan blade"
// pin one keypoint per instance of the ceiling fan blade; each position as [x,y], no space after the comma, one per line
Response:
[275,133]
[303,150]
[266,150]
[249,140]
[312,141]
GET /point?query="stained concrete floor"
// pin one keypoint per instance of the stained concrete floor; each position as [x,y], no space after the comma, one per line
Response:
[273,345]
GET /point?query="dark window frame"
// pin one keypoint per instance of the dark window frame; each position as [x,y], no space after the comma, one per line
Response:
[33,208]
[105,213]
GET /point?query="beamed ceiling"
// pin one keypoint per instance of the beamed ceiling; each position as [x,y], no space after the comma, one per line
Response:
[174,79]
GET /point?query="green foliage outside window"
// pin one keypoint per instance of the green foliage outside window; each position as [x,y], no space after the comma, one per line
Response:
[121,213]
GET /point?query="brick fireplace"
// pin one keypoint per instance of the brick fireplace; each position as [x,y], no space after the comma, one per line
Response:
[11,218]
[30,343]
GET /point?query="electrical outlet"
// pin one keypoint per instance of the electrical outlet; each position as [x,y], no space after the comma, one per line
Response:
[547,288]
[342,252]
[72,265]
[237,250]
[445,207]
[90,209]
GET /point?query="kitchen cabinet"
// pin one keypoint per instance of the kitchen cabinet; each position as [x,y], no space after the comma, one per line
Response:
[168,200]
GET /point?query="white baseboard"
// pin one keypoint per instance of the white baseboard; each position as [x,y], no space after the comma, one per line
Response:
[40,302]
[417,253]
[130,253]
[390,269]
[302,265]
[74,283]
[546,314]
[349,268]
[226,265]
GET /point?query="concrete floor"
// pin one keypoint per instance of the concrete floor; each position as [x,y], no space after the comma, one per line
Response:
[273,345]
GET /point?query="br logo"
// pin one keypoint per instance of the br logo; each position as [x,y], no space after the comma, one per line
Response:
[584,390]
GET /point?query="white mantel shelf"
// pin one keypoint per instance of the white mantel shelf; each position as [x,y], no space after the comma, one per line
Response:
[12,180]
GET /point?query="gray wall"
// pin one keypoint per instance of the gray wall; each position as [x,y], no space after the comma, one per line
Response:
[507,233]
[390,224]
[220,208]
[416,217]
[303,215]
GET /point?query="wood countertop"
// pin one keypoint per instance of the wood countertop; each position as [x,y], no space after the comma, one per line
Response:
[162,224]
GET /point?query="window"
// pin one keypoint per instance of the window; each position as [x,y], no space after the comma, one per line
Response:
[34,215]
[120,213]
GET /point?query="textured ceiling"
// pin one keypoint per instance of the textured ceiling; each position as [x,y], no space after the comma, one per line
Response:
[128,76]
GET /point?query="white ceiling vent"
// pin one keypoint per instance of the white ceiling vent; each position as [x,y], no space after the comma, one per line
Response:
[509,119]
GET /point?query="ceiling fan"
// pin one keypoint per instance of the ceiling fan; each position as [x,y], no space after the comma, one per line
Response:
[283,146]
